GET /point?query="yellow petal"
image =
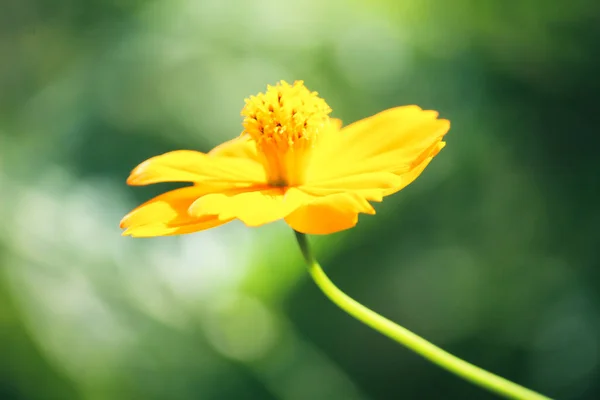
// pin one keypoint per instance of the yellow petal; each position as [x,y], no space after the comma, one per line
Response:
[254,208]
[167,215]
[240,147]
[370,186]
[329,214]
[390,141]
[168,207]
[366,194]
[408,177]
[193,166]
[158,229]
[386,130]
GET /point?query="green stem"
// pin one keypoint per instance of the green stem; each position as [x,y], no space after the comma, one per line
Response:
[405,337]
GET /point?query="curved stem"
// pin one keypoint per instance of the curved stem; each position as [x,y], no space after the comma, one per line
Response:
[412,341]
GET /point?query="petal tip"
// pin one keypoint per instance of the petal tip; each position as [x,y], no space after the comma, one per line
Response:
[131,180]
[136,176]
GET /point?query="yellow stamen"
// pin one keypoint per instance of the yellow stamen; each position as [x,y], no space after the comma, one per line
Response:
[285,122]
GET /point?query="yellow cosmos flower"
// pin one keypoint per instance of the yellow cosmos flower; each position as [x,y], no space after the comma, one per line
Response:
[294,162]
[291,162]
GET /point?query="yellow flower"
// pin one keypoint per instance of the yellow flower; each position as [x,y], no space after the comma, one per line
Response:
[292,161]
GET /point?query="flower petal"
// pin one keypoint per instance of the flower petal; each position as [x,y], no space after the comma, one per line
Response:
[408,177]
[167,214]
[392,140]
[254,208]
[158,229]
[330,214]
[193,166]
[240,147]
[370,186]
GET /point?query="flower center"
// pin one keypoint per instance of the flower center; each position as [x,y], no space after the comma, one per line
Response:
[285,122]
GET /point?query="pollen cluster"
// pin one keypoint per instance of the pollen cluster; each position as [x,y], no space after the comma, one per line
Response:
[285,115]
[285,122]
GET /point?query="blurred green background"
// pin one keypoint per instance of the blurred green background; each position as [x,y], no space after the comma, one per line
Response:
[492,253]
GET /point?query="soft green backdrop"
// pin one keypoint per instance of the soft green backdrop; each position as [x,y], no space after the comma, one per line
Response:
[492,253]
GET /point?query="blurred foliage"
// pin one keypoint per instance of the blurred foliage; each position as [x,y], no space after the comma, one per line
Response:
[491,254]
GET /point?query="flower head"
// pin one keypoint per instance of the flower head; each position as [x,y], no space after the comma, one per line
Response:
[285,123]
[291,162]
